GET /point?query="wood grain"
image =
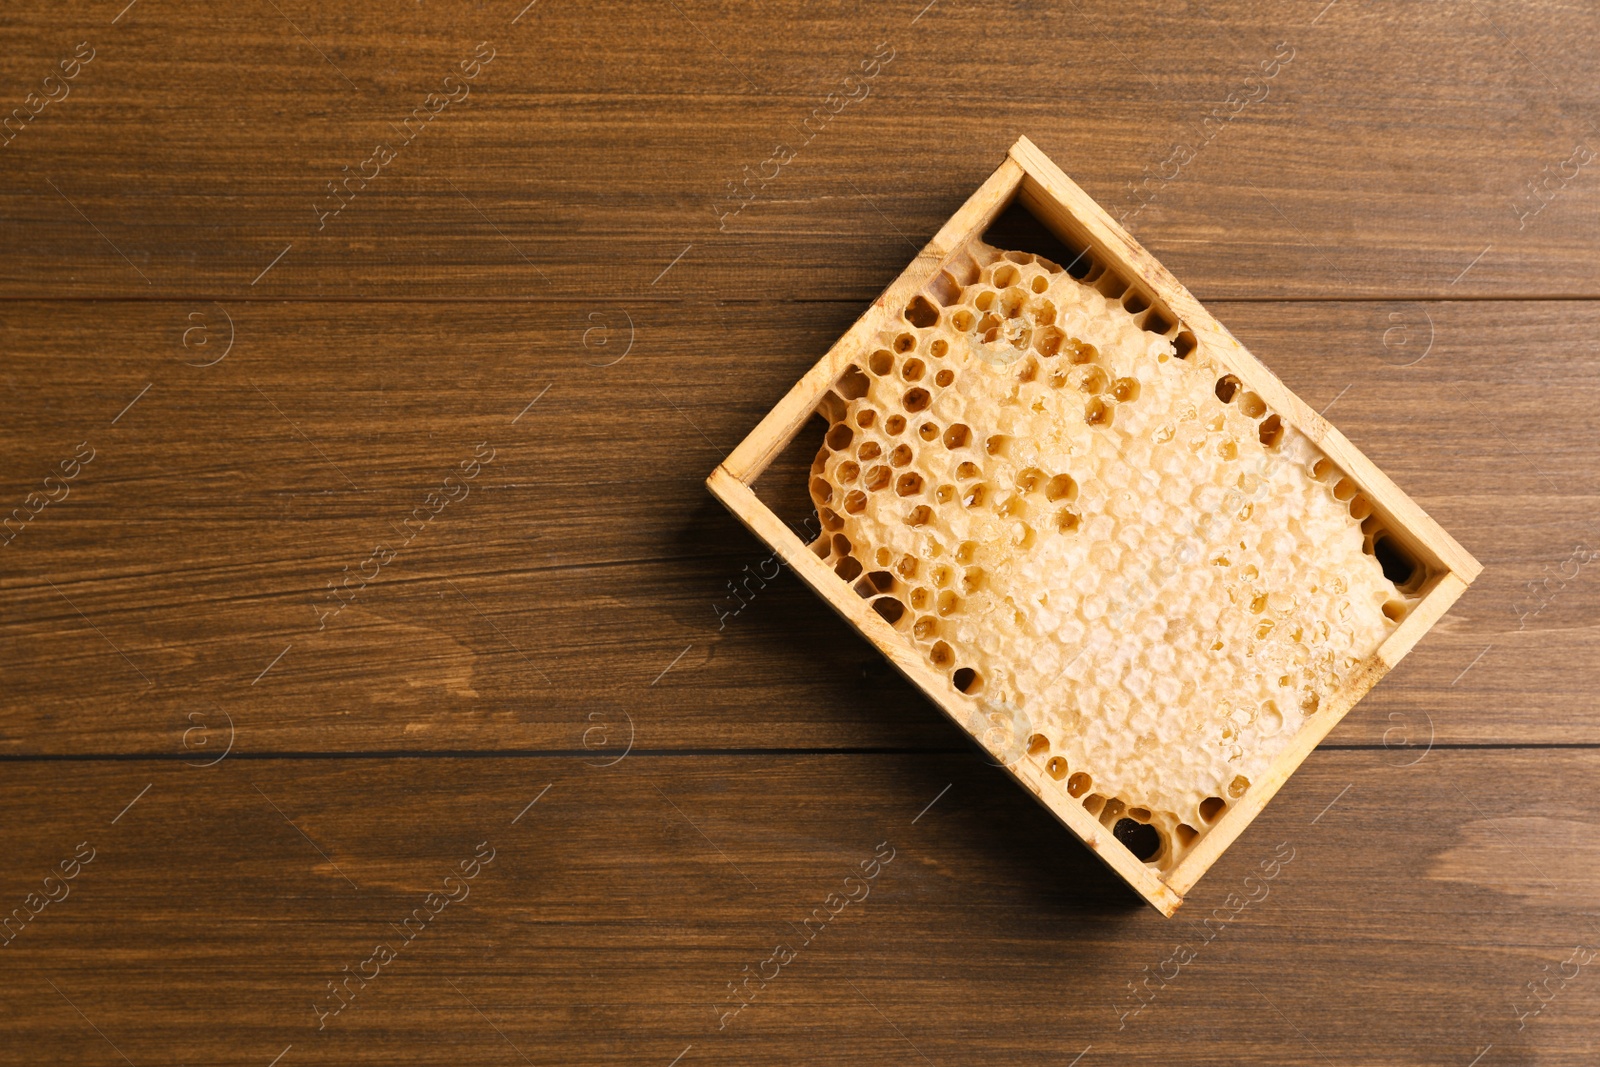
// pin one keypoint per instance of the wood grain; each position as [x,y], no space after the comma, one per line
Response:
[1355,222]
[618,908]
[588,555]
[1389,152]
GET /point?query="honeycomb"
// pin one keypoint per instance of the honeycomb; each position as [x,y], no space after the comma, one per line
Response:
[1144,579]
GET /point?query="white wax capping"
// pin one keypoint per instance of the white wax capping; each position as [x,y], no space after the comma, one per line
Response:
[1111,559]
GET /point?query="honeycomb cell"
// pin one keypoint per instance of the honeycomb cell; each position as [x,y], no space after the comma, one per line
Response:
[1090,380]
[1270,431]
[921,313]
[908,484]
[853,385]
[889,608]
[1061,487]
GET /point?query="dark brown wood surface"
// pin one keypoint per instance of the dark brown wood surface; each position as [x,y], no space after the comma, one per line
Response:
[238,404]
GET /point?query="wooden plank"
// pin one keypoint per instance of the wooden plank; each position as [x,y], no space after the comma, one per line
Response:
[582,597]
[1244,196]
[206,520]
[619,906]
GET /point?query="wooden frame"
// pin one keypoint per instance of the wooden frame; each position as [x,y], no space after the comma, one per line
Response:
[1029,177]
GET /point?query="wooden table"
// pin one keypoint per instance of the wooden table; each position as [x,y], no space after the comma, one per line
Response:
[368,654]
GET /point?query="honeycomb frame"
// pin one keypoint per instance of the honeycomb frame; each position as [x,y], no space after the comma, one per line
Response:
[1113,257]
